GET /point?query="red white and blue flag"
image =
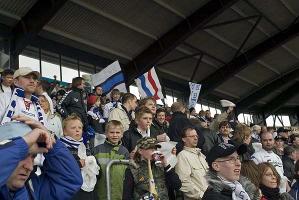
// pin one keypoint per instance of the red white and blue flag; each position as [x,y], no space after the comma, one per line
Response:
[149,85]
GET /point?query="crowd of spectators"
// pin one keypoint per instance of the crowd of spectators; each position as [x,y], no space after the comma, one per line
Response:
[56,143]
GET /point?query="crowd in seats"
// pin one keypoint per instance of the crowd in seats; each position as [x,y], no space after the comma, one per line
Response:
[57,143]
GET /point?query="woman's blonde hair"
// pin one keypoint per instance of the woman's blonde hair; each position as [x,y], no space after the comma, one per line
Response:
[242,132]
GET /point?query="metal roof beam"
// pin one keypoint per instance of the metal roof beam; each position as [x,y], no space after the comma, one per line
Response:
[170,40]
[33,22]
[243,60]
[249,100]
[278,101]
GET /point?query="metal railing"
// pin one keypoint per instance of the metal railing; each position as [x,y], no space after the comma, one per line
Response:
[108,184]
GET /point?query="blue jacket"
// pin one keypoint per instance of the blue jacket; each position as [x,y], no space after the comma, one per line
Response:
[60,179]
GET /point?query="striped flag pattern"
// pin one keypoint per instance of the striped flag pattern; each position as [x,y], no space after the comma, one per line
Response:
[149,85]
[111,77]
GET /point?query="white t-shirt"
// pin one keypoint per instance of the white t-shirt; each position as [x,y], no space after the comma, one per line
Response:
[270,157]
[6,89]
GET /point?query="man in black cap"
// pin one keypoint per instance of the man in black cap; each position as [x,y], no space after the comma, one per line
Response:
[223,176]
[283,132]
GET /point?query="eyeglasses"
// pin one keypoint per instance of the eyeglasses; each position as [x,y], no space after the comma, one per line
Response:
[231,160]
[192,136]
[227,127]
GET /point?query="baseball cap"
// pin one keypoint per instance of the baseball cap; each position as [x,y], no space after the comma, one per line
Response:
[282,129]
[224,149]
[13,129]
[279,137]
[25,71]
[148,143]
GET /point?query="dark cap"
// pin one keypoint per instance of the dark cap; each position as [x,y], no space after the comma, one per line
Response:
[282,129]
[222,150]
[279,137]
[148,143]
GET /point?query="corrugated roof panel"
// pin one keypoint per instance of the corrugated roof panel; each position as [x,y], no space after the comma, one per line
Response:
[145,15]
[17,7]
[210,44]
[185,8]
[276,11]
[280,60]
[257,73]
[75,20]
[236,87]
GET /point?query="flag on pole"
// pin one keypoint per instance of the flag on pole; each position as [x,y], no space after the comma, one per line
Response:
[194,93]
[111,77]
[149,85]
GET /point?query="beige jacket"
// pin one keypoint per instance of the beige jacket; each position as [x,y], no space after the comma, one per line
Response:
[191,168]
[120,114]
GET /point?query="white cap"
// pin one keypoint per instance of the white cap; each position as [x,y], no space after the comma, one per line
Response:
[227,103]
[25,71]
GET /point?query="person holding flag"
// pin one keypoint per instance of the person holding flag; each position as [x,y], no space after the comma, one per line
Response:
[148,175]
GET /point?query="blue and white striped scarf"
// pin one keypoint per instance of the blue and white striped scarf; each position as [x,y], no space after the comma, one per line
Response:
[71,142]
[19,92]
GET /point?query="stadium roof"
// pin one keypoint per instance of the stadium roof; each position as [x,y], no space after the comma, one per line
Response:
[246,51]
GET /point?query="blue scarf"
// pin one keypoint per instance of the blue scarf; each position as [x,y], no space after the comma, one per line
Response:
[19,92]
[70,142]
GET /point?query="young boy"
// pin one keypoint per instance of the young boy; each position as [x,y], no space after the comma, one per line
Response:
[72,130]
[143,119]
[111,150]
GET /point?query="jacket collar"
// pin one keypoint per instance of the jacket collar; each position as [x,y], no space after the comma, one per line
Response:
[196,151]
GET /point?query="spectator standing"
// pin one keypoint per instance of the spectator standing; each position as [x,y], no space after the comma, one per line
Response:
[143,119]
[74,101]
[137,181]
[266,154]
[191,166]
[114,100]
[61,177]
[288,160]
[7,81]
[256,131]
[112,149]
[224,178]
[22,101]
[224,131]
[53,121]
[72,130]
[159,123]
[269,183]
[95,115]
[123,111]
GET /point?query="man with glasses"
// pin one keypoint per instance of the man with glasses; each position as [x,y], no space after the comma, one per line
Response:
[224,178]
[22,100]
[191,166]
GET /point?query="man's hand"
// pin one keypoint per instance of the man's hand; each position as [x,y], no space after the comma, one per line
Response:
[38,136]
[31,122]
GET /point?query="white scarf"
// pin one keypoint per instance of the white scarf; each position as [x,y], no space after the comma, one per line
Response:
[238,191]
[10,111]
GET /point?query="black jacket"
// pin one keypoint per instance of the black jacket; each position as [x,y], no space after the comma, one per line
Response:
[73,102]
[288,168]
[178,122]
[131,137]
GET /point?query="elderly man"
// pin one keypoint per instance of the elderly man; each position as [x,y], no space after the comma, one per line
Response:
[224,174]
[191,166]
[60,178]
